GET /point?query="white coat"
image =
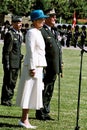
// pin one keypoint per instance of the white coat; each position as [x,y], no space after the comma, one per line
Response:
[29,93]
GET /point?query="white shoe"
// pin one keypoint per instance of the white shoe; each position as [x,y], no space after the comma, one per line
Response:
[26,126]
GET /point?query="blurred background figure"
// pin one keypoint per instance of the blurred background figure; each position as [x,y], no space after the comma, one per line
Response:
[59,33]
[64,35]
[83,36]
[69,35]
[76,35]
[4,29]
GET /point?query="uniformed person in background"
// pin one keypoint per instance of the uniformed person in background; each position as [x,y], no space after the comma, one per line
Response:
[11,59]
[54,64]
[59,36]
[69,36]
[64,35]
[76,35]
[4,29]
[83,36]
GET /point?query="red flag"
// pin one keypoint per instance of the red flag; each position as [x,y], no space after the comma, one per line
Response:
[74,20]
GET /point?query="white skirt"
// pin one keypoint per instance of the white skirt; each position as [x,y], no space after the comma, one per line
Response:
[29,94]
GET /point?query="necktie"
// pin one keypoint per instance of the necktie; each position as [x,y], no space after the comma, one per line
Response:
[19,37]
[53,32]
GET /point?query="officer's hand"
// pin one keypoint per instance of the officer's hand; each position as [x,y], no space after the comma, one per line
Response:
[62,66]
[21,56]
[61,75]
[7,67]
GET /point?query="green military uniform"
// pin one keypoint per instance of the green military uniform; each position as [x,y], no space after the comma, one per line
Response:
[54,61]
[11,59]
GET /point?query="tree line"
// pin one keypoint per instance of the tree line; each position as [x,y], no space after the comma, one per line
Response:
[64,8]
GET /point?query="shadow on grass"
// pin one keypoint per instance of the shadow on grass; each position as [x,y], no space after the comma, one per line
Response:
[8,125]
[4,116]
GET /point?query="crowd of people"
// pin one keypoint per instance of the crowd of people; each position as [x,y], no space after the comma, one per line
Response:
[67,36]
[42,62]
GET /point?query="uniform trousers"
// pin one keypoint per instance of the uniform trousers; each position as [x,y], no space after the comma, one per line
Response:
[9,83]
[49,80]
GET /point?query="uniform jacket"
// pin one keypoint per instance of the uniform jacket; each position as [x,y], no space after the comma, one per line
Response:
[35,49]
[53,50]
[11,55]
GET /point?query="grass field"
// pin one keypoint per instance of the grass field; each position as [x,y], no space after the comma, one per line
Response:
[9,116]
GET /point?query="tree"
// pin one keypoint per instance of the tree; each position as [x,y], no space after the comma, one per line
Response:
[64,8]
[17,7]
[1,15]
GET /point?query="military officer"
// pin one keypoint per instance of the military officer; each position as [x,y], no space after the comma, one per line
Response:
[11,59]
[54,62]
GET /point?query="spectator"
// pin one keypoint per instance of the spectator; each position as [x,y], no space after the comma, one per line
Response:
[25,30]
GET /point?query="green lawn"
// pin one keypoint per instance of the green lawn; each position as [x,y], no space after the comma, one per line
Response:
[9,116]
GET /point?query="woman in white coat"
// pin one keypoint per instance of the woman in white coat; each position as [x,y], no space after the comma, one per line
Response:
[29,95]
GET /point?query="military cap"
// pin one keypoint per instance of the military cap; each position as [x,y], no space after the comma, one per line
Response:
[69,27]
[64,26]
[16,18]
[83,27]
[59,26]
[50,12]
